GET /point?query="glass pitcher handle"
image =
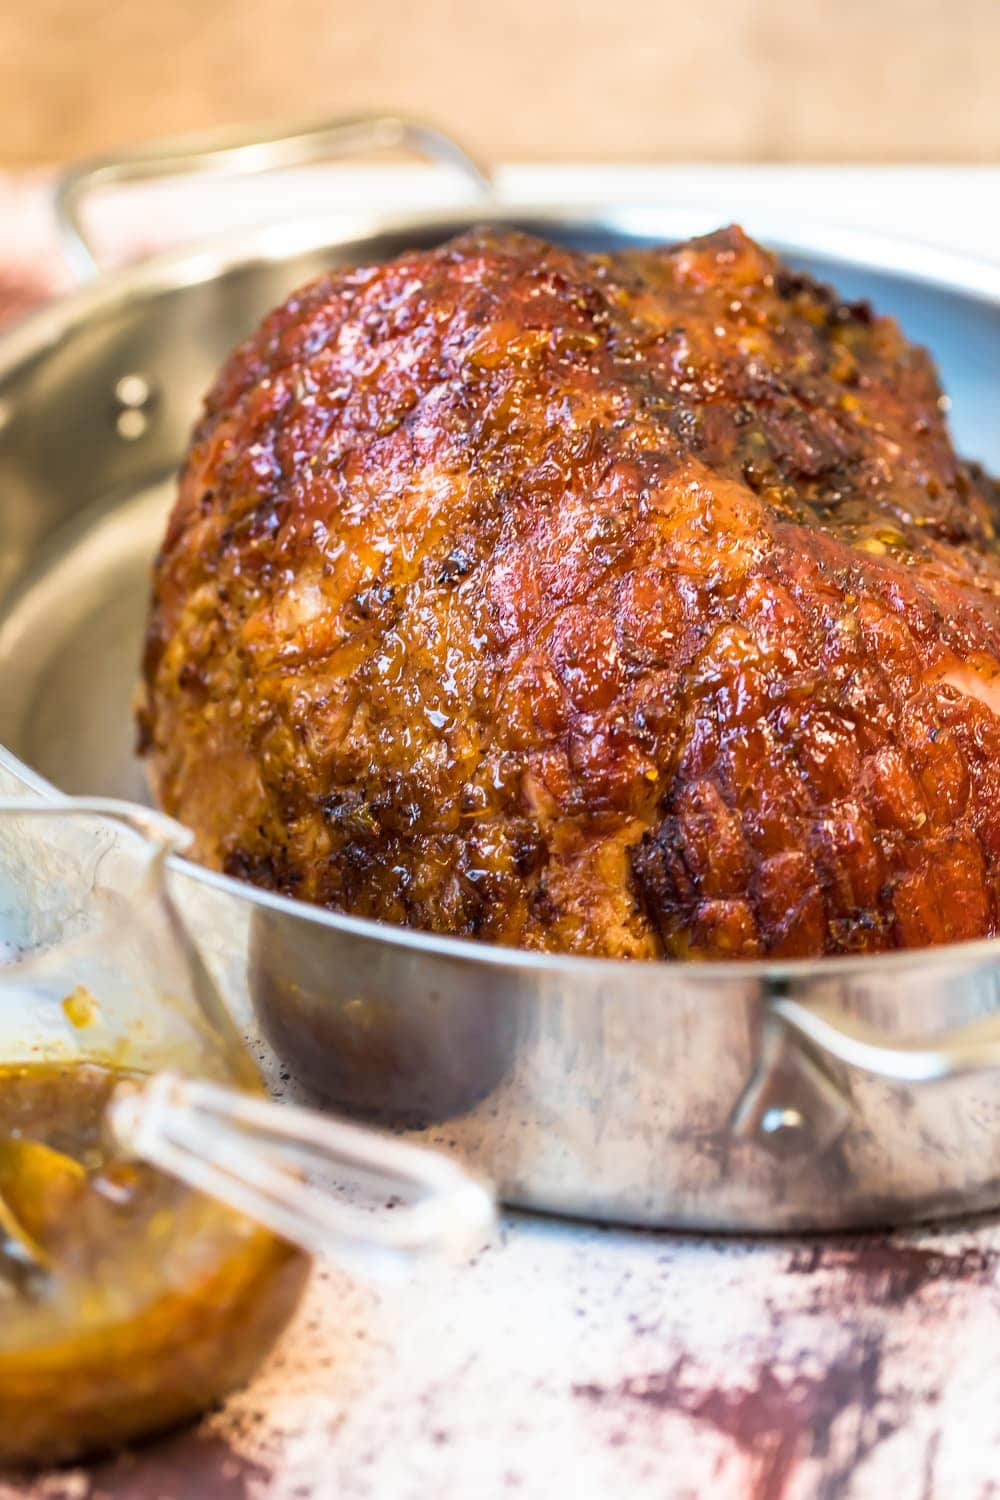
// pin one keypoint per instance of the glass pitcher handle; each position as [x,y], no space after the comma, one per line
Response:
[254,1156]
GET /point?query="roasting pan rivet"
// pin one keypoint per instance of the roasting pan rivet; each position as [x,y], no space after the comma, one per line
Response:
[133,395]
[783,1128]
[133,391]
[131,425]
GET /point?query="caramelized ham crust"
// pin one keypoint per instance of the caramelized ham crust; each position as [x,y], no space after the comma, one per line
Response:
[626,605]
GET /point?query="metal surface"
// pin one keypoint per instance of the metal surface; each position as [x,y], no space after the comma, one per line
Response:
[238,152]
[652,1093]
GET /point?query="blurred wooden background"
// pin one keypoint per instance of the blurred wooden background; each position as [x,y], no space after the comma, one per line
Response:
[813,80]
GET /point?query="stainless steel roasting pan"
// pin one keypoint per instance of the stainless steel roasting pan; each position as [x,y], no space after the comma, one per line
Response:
[749,1096]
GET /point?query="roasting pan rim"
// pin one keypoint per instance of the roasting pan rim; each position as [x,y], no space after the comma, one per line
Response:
[218,255]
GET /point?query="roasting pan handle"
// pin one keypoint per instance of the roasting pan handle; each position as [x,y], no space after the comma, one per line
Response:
[241,152]
[974,1048]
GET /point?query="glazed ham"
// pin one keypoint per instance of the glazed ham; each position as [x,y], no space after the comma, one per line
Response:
[633,605]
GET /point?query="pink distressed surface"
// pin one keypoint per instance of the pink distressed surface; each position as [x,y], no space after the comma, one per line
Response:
[580,1362]
[572,1361]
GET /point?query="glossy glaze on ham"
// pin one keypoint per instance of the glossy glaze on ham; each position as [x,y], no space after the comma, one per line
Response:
[631,605]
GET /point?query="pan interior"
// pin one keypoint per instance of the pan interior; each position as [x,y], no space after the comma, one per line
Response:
[70,647]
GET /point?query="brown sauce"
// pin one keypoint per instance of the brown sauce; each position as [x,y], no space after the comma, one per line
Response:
[128,1303]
